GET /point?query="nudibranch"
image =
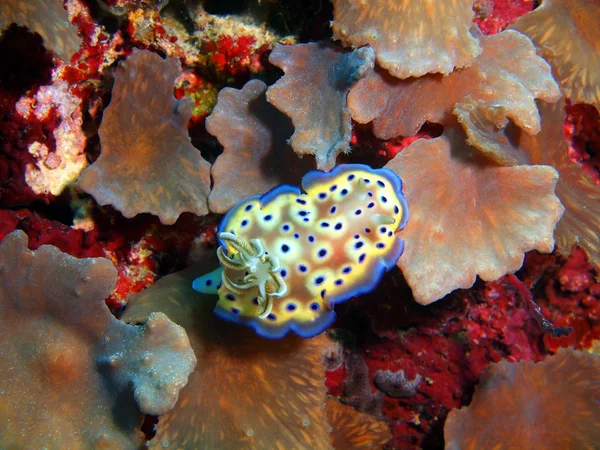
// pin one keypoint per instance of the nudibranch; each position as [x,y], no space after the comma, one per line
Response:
[288,257]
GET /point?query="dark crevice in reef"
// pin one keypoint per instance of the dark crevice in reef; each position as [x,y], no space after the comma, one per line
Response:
[25,61]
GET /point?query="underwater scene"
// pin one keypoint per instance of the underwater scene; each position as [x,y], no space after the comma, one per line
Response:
[289,225]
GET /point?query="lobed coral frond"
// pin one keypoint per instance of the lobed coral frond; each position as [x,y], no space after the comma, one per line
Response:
[313,94]
[577,191]
[148,164]
[410,38]
[552,404]
[67,366]
[256,156]
[247,392]
[507,77]
[470,216]
[567,34]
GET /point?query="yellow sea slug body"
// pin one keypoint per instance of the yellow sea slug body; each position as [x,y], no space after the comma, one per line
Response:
[289,257]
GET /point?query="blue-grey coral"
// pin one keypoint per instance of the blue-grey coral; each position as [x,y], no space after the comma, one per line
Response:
[57,390]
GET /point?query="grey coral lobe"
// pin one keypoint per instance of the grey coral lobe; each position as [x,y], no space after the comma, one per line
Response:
[395,384]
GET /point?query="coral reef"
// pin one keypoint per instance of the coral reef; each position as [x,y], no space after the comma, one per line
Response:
[507,77]
[525,405]
[486,221]
[576,189]
[492,16]
[353,430]
[450,342]
[57,388]
[254,136]
[395,384]
[150,93]
[54,170]
[148,164]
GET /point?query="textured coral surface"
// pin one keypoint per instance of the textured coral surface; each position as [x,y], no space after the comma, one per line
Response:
[449,343]
[46,17]
[313,94]
[354,430]
[54,394]
[576,60]
[487,220]
[507,76]
[525,405]
[254,136]
[409,38]
[577,190]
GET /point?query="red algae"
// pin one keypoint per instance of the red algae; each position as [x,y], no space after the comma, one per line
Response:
[493,16]
[418,363]
[569,295]
[582,129]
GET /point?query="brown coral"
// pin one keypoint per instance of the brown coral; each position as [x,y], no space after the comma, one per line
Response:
[256,155]
[410,38]
[551,405]
[148,164]
[313,94]
[567,33]
[46,17]
[581,196]
[469,216]
[247,392]
[352,430]
[507,78]
[59,339]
